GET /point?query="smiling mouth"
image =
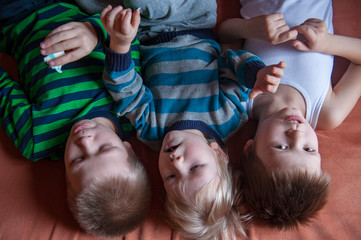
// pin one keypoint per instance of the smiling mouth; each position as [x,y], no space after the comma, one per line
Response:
[294,119]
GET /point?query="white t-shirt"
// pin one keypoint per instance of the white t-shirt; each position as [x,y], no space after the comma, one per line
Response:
[309,73]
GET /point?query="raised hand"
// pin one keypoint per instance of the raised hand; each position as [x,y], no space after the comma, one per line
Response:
[268,79]
[315,32]
[122,26]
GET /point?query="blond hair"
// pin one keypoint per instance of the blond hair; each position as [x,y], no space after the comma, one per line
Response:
[281,199]
[112,206]
[211,214]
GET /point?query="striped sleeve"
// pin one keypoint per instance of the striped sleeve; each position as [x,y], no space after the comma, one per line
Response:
[125,85]
[16,114]
[38,111]
[243,64]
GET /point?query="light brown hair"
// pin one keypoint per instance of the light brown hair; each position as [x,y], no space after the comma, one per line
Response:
[211,214]
[112,206]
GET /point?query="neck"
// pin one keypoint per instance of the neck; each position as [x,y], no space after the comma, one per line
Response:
[269,103]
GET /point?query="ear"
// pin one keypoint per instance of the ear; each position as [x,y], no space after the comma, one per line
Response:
[218,149]
[129,147]
[247,146]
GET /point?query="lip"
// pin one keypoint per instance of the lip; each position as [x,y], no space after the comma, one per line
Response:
[81,126]
[293,118]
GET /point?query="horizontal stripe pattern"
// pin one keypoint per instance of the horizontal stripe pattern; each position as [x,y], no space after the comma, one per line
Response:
[38,112]
[185,78]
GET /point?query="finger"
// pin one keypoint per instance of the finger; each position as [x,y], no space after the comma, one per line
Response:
[308,32]
[60,41]
[287,36]
[136,18]
[282,64]
[272,81]
[62,28]
[58,36]
[68,57]
[254,93]
[127,17]
[300,46]
[122,21]
[104,13]
[271,88]
[277,71]
[62,46]
[112,16]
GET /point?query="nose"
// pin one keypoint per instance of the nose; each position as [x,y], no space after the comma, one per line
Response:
[176,158]
[295,134]
[85,143]
[177,161]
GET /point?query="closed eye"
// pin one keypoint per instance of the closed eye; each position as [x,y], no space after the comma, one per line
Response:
[195,167]
[105,147]
[170,176]
[76,160]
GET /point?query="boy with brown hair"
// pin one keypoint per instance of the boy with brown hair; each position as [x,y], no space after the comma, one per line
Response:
[52,115]
[282,182]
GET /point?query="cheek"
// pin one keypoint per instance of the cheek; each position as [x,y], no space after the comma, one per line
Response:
[162,165]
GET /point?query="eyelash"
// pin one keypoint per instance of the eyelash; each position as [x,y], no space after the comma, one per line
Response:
[76,160]
[307,149]
[281,147]
[195,167]
[104,147]
[192,169]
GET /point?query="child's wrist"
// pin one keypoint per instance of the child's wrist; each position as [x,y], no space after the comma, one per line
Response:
[119,48]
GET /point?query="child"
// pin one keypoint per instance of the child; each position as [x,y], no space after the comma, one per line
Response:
[46,110]
[283,183]
[188,102]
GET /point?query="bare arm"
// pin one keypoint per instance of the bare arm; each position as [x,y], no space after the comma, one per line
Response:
[271,28]
[342,98]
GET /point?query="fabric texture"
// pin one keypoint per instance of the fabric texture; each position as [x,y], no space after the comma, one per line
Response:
[184,78]
[310,73]
[167,16]
[38,111]
[96,6]
[33,194]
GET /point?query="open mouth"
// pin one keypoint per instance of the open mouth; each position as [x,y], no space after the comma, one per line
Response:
[294,119]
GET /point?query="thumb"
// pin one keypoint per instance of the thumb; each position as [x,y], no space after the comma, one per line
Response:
[300,46]
[254,93]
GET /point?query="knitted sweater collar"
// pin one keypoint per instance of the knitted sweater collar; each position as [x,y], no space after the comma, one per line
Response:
[198,125]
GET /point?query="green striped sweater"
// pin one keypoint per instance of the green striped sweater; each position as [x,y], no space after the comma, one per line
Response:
[38,111]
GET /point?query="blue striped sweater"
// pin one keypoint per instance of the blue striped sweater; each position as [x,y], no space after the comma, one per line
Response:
[185,77]
[38,111]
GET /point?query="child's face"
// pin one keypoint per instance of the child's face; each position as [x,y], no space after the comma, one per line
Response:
[286,140]
[187,156]
[94,151]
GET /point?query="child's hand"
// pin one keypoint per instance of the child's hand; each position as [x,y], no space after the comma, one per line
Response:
[76,39]
[271,28]
[121,25]
[268,79]
[315,31]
